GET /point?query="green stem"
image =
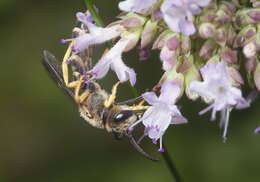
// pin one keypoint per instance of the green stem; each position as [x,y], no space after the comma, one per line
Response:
[171,165]
[93,12]
[165,154]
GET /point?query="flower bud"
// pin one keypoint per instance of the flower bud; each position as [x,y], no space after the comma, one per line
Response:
[255,3]
[228,55]
[221,35]
[207,49]
[214,59]
[191,73]
[148,33]
[254,14]
[250,50]
[244,36]
[133,38]
[225,13]
[247,16]
[237,79]
[231,35]
[176,77]
[251,65]
[132,20]
[207,30]
[257,77]
[160,41]
[168,57]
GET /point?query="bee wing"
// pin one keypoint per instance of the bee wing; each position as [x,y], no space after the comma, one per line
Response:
[53,67]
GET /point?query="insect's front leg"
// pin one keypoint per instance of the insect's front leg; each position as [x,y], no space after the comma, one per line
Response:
[139,106]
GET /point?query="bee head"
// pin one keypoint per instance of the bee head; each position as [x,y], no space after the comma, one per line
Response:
[120,118]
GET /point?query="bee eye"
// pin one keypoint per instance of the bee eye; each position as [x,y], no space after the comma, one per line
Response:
[122,116]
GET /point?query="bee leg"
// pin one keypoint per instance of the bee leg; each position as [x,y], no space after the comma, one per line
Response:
[83,96]
[112,97]
[80,99]
[139,149]
[65,69]
[137,108]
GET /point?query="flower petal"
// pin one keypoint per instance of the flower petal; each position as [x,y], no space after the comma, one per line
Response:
[150,97]
[187,27]
[177,117]
[170,91]
[101,68]
[123,72]
[135,5]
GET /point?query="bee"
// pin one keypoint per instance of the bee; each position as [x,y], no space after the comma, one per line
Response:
[96,106]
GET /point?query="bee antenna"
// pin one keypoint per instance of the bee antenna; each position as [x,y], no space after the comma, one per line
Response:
[140,150]
[130,101]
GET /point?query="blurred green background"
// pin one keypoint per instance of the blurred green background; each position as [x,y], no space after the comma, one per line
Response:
[43,139]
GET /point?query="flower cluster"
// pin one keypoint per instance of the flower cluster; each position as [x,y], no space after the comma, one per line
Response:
[199,43]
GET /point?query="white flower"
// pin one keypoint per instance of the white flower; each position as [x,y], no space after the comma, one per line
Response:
[113,59]
[135,5]
[96,35]
[178,14]
[217,86]
[162,112]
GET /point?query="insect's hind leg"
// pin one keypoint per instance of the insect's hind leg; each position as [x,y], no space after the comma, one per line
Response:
[65,69]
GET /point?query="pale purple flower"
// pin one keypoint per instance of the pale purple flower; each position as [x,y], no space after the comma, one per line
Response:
[178,14]
[113,59]
[135,5]
[217,86]
[162,112]
[257,130]
[96,35]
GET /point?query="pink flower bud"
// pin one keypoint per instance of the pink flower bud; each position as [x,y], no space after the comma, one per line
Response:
[229,56]
[257,77]
[251,65]
[221,36]
[207,30]
[173,43]
[207,49]
[250,50]
[148,33]
[254,14]
[160,41]
[245,35]
[191,74]
[237,79]
[131,22]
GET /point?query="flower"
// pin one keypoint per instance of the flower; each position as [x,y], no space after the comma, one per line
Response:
[257,130]
[135,5]
[95,34]
[217,86]
[161,113]
[178,14]
[113,59]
